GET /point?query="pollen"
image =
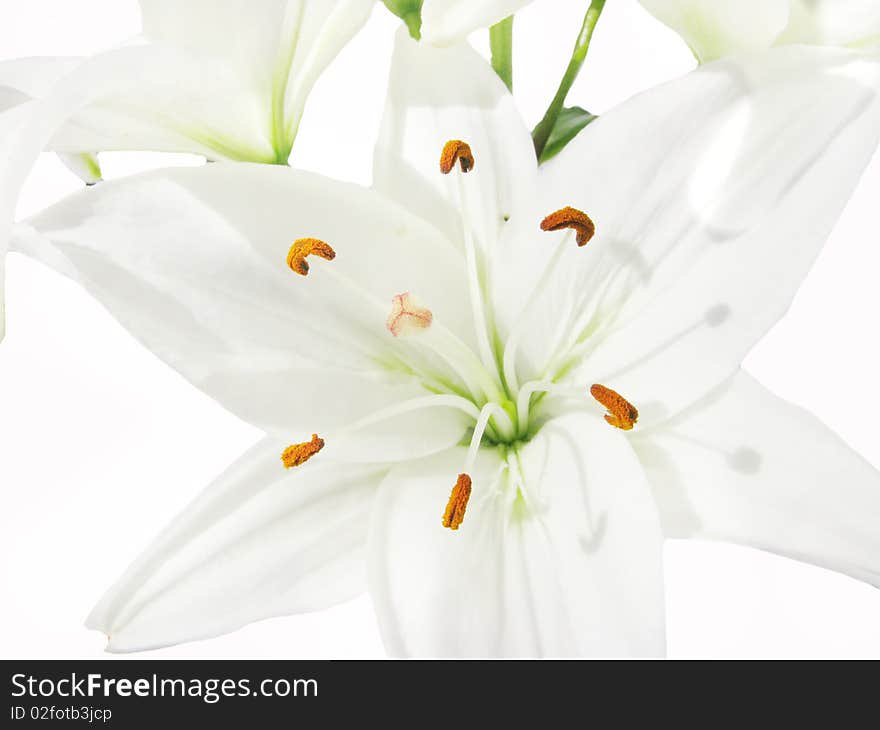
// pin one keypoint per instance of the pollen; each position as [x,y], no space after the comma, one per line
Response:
[407,316]
[299,454]
[456,151]
[461,492]
[621,413]
[573,218]
[302,247]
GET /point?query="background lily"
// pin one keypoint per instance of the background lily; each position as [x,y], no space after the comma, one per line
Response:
[227,80]
[716,28]
[448,333]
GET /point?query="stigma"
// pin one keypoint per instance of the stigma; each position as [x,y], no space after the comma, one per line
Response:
[298,454]
[407,316]
[621,413]
[456,151]
[455,508]
[574,219]
[302,247]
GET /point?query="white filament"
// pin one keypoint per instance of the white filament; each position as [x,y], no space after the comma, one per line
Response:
[478,307]
[488,410]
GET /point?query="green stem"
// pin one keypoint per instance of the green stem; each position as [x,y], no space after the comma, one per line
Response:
[542,132]
[501,45]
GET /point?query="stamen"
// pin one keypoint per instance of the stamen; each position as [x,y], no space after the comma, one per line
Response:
[573,218]
[456,151]
[503,424]
[455,508]
[621,413]
[299,454]
[414,404]
[296,257]
[407,316]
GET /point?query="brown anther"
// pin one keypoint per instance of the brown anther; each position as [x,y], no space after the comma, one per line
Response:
[573,218]
[299,454]
[302,247]
[456,151]
[407,316]
[621,413]
[461,492]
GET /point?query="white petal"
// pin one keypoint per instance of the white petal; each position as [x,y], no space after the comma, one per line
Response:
[20,82]
[186,102]
[834,23]
[33,78]
[324,28]
[192,261]
[572,569]
[248,32]
[259,542]
[445,22]
[437,95]
[230,80]
[747,467]
[27,128]
[712,196]
[716,28]
[280,46]
[36,76]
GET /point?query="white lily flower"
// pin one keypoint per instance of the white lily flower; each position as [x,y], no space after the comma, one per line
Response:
[229,80]
[581,402]
[716,28]
[445,22]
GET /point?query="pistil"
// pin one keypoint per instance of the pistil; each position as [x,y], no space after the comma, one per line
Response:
[407,316]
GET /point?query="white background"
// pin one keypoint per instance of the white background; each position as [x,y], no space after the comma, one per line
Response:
[101,444]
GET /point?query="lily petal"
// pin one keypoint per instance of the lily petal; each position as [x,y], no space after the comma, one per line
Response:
[438,95]
[571,565]
[21,81]
[716,28]
[745,466]
[34,77]
[711,196]
[230,79]
[259,542]
[27,124]
[853,23]
[192,262]
[445,22]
